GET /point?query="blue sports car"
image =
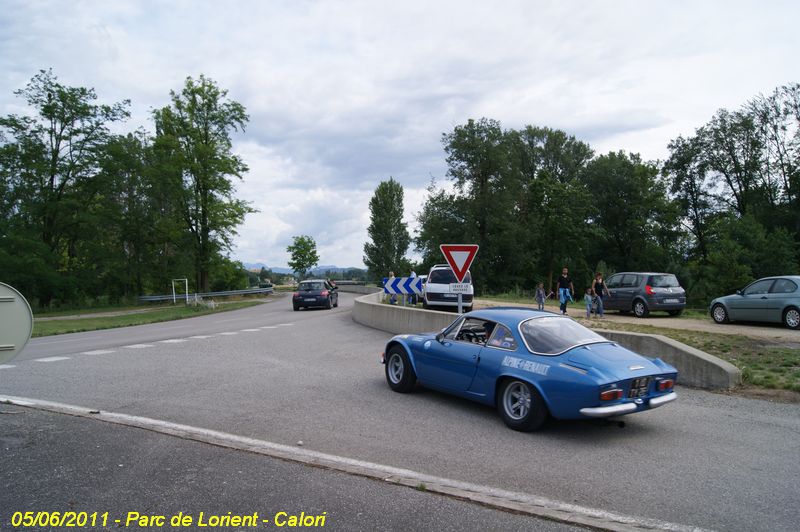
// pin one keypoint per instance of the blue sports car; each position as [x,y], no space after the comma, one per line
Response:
[530,364]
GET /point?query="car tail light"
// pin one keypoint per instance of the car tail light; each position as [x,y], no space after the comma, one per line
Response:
[648,290]
[297,294]
[324,293]
[611,395]
[665,384]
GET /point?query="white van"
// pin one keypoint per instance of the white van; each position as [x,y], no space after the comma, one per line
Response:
[437,289]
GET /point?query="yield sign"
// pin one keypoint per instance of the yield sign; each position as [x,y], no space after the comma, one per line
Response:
[459,257]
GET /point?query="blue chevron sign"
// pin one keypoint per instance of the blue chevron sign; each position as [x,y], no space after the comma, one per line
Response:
[402,285]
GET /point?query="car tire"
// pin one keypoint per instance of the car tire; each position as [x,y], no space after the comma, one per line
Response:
[296,308]
[640,309]
[521,406]
[328,304]
[400,375]
[719,314]
[675,312]
[791,318]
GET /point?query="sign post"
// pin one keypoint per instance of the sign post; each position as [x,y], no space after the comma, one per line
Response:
[459,257]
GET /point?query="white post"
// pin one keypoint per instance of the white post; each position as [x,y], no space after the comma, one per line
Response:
[173,292]
[460,309]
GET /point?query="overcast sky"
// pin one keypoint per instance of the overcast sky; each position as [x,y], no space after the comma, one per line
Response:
[342,95]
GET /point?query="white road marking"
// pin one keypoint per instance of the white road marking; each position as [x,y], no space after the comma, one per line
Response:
[50,359]
[173,341]
[7,366]
[226,321]
[201,337]
[231,333]
[250,330]
[284,324]
[99,352]
[138,346]
[268,327]
[519,502]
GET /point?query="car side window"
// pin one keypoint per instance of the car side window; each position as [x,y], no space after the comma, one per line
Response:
[758,287]
[783,286]
[475,331]
[629,281]
[450,334]
[502,338]
[614,281]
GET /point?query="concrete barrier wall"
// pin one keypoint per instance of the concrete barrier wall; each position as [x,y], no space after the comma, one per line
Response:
[358,289]
[696,367]
[368,310]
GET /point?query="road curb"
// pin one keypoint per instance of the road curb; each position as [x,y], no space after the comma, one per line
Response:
[696,368]
[493,497]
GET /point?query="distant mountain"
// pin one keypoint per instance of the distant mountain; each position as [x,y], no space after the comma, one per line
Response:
[319,270]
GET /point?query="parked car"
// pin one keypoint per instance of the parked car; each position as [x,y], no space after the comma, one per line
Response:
[771,299]
[315,293]
[644,292]
[437,293]
[529,364]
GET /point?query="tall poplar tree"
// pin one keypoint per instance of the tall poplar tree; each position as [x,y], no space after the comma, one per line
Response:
[388,234]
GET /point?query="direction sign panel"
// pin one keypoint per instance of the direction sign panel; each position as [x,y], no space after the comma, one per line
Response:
[403,285]
[459,257]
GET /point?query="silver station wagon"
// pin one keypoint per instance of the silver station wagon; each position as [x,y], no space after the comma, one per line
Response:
[771,299]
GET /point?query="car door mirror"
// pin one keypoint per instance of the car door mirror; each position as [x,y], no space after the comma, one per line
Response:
[440,337]
[738,292]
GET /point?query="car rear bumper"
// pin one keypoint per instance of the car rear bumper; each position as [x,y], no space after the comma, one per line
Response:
[659,303]
[627,408]
[312,301]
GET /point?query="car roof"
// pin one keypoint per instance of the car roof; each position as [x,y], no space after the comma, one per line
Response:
[511,315]
[792,277]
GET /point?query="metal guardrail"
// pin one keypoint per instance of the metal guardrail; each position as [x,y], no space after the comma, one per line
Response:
[182,297]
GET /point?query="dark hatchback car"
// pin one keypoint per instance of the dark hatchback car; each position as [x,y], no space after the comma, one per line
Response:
[315,293]
[644,292]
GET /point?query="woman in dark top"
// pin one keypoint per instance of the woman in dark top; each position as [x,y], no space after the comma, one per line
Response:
[599,290]
[565,289]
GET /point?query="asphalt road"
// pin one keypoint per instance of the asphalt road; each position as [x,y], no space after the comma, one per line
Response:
[57,463]
[707,460]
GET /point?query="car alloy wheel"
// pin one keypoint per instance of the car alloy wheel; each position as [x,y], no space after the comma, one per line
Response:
[399,373]
[517,400]
[719,314]
[791,318]
[640,309]
[521,406]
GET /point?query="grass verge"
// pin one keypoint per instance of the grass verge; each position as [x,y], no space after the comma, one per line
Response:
[764,363]
[49,328]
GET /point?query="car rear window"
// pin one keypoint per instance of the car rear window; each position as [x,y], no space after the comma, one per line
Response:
[311,286]
[664,281]
[554,335]
[446,277]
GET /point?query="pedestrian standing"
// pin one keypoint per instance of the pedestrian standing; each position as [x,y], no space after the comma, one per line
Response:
[588,299]
[540,296]
[565,289]
[412,298]
[599,291]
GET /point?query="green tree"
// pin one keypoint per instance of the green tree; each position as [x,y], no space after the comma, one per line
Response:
[635,221]
[389,238]
[193,136]
[303,252]
[50,159]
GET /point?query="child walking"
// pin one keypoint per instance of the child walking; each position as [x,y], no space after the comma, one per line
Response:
[540,297]
[589,300]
